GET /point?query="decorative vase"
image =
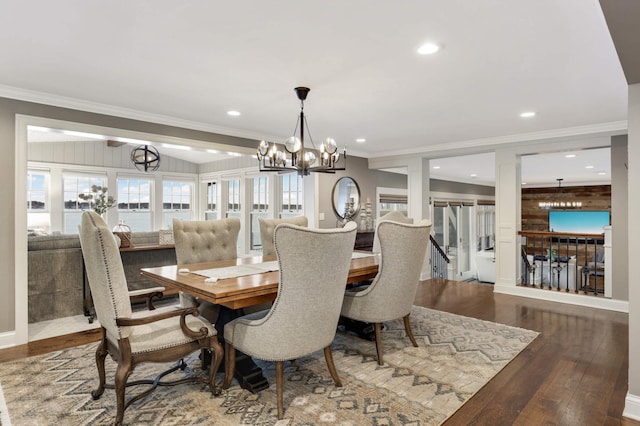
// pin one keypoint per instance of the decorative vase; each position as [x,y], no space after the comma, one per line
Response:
[124,233]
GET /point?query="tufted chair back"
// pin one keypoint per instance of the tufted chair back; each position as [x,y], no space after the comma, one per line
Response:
[394,216]
[106,275]
[267,226]
[205,240]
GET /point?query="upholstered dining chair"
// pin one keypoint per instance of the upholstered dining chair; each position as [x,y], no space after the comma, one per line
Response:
[314,266]
[391,293]
[267,226]
[133,339]
[204,241]
[394,216]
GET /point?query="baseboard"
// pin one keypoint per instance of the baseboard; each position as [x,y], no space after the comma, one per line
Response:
[631,407]
[590,301]
[7,340]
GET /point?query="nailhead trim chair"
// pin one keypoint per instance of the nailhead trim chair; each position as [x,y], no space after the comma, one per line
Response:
[130,339]
[314,266]
[267,226]
[391,293]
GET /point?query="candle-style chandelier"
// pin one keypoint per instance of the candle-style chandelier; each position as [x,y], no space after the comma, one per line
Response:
[296,157]
[558,203]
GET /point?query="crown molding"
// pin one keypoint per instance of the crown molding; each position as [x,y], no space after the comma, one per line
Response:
[480,145]
[99,108]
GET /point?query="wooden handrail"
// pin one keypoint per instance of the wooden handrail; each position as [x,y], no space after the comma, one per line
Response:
[559,234]
[438,248]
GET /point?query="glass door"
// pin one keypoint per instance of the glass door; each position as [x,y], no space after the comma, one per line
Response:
[452,230]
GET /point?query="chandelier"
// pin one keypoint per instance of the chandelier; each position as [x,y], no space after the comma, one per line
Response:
[296,157]
[557,203]
[145,158]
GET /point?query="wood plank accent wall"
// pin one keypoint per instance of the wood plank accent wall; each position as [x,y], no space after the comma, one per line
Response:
[536,219]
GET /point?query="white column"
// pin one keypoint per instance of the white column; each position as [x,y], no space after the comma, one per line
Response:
[507,218]
[418,197]
[608,261]
[418,188]
[632,401]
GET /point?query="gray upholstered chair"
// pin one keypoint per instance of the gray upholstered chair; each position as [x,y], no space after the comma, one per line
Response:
[205,241]
[391,293]
[267,226]
[314,266]
[133,339]
[394,216]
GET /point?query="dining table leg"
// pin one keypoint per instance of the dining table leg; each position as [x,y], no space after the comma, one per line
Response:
[248,374]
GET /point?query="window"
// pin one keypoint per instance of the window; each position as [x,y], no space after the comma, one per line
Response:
[73,185]
[292,196]
[259,208]
[176,201]
[485,225]
[38,210]
[233,197]
[134,203]
[211,210]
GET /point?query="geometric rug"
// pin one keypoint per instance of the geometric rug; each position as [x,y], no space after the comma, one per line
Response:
[456,357]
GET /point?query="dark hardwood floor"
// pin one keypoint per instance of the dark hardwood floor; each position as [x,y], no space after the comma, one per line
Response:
[574,373]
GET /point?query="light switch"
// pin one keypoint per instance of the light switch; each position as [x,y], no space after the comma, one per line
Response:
[320,216]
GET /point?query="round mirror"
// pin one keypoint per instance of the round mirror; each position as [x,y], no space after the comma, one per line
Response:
[346,198]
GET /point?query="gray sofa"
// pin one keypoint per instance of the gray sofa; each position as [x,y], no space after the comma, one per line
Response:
[56,272]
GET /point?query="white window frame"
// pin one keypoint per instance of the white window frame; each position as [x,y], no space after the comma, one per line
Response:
[299,210]
[150,210]
[183,213]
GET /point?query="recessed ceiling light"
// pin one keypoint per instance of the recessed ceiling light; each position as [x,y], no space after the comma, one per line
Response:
[570,156]
[233,113]
[213,151]
[436,167]
[524,183]
[588,167]
[602,173]
[527,114]
[361,140]
[428,48]
[473,175]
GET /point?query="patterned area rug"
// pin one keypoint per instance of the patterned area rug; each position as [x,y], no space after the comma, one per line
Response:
[416,386]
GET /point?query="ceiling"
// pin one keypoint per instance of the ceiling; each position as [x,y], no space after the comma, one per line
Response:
[188,63]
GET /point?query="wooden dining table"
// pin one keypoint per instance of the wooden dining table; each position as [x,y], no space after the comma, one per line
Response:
[233,294]
[241,292]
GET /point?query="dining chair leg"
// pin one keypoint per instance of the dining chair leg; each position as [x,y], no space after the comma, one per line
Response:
[279,386]
[122,374]
[407,327]
[328,356]
[217,353]
[229,364]
[378,329]
[101,354]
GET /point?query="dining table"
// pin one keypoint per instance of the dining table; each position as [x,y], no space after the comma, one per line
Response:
[241,283]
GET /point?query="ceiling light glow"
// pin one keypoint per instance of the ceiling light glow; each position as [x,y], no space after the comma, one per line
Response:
[233,113]
[589,167]
[361,140]
[428,48]
[527,114]
[473,175]
[570,156]
[436,167]
[602,173]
